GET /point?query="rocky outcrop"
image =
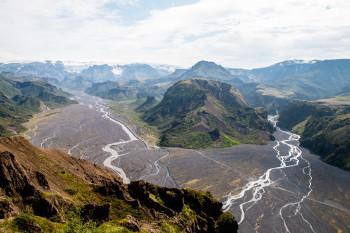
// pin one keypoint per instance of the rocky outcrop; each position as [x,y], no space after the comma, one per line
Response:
[42,180]
[53,185]
[6,208]
[16,184]
[96,213]
[200,212]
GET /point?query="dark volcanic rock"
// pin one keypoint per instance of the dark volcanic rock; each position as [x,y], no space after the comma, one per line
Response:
[15,183]
[13,180]
[5,208]
[96,213]
[42,180]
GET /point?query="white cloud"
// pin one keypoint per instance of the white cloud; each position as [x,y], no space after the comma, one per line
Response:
[234,33]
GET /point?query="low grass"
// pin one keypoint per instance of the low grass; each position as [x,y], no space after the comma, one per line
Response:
[77,189]
[156,199]
[170,228]
[227,141]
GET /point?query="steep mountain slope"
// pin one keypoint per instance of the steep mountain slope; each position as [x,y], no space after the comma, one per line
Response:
[149,103]
[305,80]
[48,191]
[324,127]
[199,113]
[21,99]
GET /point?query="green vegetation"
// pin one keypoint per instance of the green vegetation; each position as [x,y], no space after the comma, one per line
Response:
[199,113]
[324,127]
[170,228]
[228,141]
[20,99]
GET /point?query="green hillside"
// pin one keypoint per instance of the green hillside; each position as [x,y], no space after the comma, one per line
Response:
[199,113]
[20,99]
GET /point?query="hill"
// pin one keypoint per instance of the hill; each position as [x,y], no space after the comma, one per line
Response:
[20,99]
[324,127]
[49,70]
[48,191]
[199,113]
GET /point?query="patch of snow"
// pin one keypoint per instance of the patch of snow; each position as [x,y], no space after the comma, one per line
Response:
[164,67]
[117,70]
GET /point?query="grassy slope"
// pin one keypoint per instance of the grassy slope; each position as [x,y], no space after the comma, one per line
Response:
[75,183]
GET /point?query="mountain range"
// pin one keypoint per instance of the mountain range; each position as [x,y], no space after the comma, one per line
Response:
[296,79]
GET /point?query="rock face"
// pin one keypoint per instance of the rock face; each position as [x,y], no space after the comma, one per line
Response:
[51,184]
[201,113]
[16,185]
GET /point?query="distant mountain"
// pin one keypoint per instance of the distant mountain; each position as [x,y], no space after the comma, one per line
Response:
[23,98]
[324,127]
[77,82]
[49,70]
[304,80]
[98,73]
[141,72]
[129,90]
[207,69]
[199,113]
[111,90]
[49,191]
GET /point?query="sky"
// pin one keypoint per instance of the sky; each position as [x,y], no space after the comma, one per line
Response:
[234,33]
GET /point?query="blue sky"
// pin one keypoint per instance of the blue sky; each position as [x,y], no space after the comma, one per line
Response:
[132,11]
[235,33]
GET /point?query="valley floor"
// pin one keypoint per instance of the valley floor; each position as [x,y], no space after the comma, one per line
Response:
[84,130]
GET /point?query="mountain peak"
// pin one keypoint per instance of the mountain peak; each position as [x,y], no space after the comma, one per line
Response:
[207,64]
[207,69]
